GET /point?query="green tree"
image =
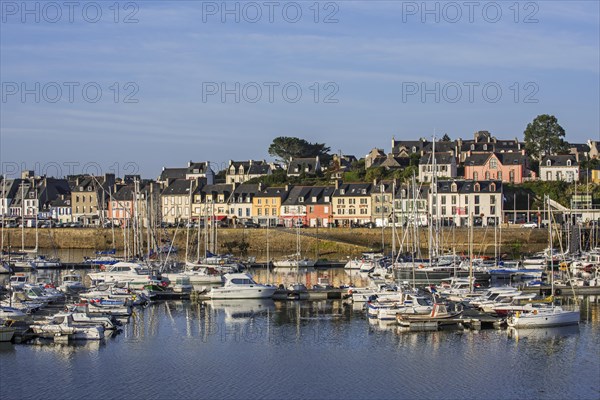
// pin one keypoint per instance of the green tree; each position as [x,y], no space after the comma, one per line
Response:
[375,173]
[284,148]
[446,138]
[544,136]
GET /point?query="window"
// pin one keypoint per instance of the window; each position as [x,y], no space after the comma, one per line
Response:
[453,200]
[475,176]
[466,199]
[493,209]
[363,201]
[499,175]
[511,176]
[266,212]
[476,199]
[247,212]
[477,188]
[453,210]
[476,210]
[300,199]
[443,200]
[443,210]
[259,201]
[548,163]
[492,199]
[259,212]
[487,175]
[568,163]
[493,163]
[326,209]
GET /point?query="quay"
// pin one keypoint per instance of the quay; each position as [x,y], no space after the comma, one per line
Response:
[562,290]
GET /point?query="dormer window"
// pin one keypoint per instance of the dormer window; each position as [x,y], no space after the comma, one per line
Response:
[342,191]
[485,147]
[81,188]
[196,171]
[472,147]
[414,149]
[477,188]
[314,199]
[493,187]
[327,199]
[364,191]
[454,187]
[548,163]
[300,199]
[568,163]
[89,188]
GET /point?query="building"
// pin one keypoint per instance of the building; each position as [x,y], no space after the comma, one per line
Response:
[457,201]
[374,158]
[411,205]
[595,174]
[562,167]
[240,204]
[319,210]
[293,208]
[382,194]
[176,200]
[506,167]
[306,166]
[266,205]
[445,166]
[60,209]
[90,196]
[243,171]
[138,199]
[194,170]
[351,204]
[484,142]
[8,191]
[212,201]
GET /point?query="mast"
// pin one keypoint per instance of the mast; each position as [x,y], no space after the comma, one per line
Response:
[551,252]
[393,221]
[471,253]
[22,216]
[187,233]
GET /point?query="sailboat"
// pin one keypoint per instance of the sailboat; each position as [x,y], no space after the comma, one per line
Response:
[294,260]
[542,315]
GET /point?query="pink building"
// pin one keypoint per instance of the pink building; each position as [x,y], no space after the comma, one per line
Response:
[505,167]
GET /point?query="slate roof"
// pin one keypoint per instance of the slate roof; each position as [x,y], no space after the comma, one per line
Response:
[559,160]
[468,186]
[440,158]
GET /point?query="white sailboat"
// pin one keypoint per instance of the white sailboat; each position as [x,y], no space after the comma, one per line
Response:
[544,315]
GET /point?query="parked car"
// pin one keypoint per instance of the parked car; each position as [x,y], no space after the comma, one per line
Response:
[530,225]
[251,224]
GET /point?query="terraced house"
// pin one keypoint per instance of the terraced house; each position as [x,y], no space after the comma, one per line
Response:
[240,205]
[381,202]
[457,201]
[352,203]
[266,205]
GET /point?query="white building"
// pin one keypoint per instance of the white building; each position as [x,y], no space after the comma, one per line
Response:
[559,168]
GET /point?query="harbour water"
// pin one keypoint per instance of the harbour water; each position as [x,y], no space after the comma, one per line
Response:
[325,349]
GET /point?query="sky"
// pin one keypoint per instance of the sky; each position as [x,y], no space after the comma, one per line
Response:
[131,87]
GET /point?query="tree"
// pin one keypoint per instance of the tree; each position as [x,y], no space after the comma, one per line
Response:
[544,136]
[446,138]
[285,147]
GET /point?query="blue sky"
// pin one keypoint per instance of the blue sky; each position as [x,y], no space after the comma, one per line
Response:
[372,57]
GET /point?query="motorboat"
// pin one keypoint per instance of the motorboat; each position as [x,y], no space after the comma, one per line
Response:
[135,275]
[108,322]
[72,283]
[294,263]
[63,325]
[539,315]
[12,314]
[241,286]
[6,333]
[197,275]
[439,313]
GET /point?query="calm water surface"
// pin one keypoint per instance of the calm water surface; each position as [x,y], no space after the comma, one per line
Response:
[263,349]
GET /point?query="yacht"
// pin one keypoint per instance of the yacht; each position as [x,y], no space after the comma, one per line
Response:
[241,286]
[540,315]
[135,275]
[72,283]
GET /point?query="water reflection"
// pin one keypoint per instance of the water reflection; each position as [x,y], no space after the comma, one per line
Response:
[551,333]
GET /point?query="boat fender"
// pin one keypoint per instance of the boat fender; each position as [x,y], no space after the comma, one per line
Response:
[349,291]
[558,292]
[518,314]
[535,312]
